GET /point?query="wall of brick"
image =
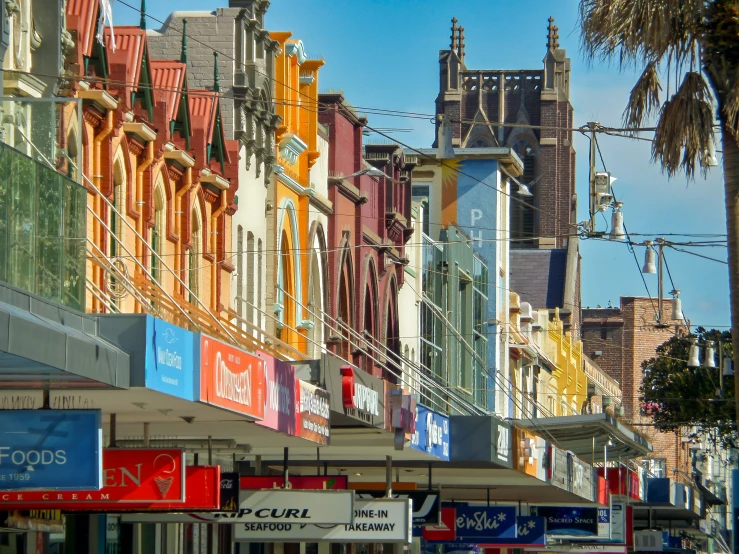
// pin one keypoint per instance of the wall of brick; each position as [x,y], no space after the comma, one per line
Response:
[627,336]
[212,32]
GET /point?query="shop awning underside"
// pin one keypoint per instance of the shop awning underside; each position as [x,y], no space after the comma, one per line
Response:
[43,344]
[576,434]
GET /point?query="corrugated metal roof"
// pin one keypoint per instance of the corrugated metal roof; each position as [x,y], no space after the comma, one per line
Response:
[81,17]
[168,78]
[129,52]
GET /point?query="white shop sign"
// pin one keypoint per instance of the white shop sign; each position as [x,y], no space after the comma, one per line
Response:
[291,506]
[387,520]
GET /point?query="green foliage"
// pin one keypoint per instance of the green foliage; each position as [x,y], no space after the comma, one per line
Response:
[676,396]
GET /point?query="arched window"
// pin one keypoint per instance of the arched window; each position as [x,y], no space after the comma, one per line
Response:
[195,254]
[116,215]
[158,232]
[251,256]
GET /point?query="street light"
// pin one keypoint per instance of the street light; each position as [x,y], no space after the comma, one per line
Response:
[650,265]
[372,172]
[710,360]
[677,306]
[618,231]
[694,361]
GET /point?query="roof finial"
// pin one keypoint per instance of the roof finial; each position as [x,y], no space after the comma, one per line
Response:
[454,34]
[183,54]
[461,44]
[216,84]
[142,21]
[552,35]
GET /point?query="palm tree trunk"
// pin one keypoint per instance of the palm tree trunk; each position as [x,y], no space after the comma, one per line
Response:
[731,186]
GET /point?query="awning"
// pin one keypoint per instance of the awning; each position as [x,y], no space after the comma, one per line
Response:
[43,344]
[708,495]
[576,434]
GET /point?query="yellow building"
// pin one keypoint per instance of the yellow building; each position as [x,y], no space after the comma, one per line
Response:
[297,150]
[546,363]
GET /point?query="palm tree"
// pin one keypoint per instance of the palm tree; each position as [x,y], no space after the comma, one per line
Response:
[695,45]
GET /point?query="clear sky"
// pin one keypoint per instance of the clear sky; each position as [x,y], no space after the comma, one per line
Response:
[384,54]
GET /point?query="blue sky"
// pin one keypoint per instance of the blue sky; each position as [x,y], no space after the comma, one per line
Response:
[384,54]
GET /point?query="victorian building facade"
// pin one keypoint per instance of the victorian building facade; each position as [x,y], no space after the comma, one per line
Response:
[370,189]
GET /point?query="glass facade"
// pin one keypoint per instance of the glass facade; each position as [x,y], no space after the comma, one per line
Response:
[43,229]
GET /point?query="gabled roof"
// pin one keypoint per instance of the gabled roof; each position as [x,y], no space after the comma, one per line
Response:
[125,62]
[168,82]
[205,115]
[203,110]
[82,16]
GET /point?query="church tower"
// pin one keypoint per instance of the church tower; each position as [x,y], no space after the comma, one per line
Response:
[528,110]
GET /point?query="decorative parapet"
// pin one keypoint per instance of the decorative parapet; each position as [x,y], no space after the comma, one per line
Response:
[291,147]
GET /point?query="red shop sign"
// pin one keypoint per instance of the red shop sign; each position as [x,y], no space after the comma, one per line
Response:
[302,482]
[446,533]
[203,494]
[140,475]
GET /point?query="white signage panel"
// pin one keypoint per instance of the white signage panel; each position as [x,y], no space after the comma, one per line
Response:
[378,521]
[294,506]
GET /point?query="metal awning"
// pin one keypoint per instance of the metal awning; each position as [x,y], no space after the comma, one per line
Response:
[44,344]
[576,434]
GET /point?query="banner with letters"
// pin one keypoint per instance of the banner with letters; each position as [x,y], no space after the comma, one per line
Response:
[424,504]
[482,524]
[531,531]
[575,521]
[230,378]
[136,475]
[51,449]
[279,397]
[295,506]
[313,413]
[432,433]
[375,521]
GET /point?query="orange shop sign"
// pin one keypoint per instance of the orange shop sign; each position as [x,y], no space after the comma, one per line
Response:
[230,378]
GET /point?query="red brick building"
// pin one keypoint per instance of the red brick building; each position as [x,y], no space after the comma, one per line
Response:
[619,340]
[367,233]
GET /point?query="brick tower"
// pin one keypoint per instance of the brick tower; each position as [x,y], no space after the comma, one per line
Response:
[484,107]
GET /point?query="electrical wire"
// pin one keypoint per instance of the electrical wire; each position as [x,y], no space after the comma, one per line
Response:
[626,232]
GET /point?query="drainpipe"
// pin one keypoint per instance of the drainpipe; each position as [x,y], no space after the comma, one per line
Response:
[97,202]
[214,249]
[179,223]
[140,197]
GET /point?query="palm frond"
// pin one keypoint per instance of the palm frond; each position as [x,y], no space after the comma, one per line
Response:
[644,97]
[684,129]
[640,30]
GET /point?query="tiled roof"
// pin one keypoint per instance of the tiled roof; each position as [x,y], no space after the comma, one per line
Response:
[538,276]
[203,111]
[168,78]
[81,17]
[125,62]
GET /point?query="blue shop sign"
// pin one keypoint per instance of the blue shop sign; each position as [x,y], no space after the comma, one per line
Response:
[169,358]
[484,523]
[51,450]
[572,521]
[432,433]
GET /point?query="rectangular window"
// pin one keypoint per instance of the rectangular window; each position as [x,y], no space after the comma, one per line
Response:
[251,256]
[422,193]
[656,466]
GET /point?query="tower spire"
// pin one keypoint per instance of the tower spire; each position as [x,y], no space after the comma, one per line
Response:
[552,35]
[183,53]
[461,44]
[142,21]
[216,83]
[454,34]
